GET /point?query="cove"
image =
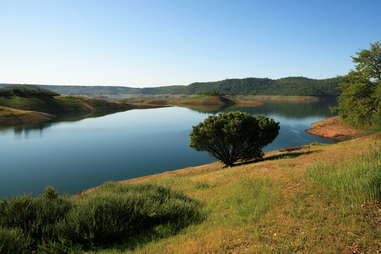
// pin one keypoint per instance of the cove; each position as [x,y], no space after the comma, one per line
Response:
[74,156]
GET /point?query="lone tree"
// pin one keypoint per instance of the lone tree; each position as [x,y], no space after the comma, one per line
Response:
[360,100]
[234,136]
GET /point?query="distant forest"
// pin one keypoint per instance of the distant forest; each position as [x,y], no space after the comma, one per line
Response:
[300,86]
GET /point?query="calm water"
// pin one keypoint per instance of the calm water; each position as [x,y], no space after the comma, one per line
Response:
[73,156]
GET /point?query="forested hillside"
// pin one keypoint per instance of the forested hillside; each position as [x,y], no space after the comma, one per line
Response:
[254,86]
[264,86]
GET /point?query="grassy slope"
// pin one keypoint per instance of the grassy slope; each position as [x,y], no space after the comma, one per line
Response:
[293,202]
[196,101]
[61,104]
[78,107]
[73,107]
[10,116]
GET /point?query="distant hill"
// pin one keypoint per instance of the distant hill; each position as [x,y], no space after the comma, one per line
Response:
[263,86]
[300,86]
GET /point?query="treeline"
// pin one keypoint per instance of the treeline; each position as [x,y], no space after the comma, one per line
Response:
[263,86]
[27,92]
[299,86]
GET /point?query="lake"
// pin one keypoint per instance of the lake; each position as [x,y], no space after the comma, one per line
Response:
[74,156]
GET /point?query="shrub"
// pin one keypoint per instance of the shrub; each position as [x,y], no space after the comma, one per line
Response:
[234,136]
[113,212]
[118,211]
[36,217]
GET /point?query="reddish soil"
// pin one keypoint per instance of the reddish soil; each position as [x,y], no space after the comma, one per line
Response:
[334,128]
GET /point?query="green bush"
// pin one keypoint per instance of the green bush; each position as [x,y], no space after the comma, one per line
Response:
[36,217]
[112,213]
[234,136]
[13,241]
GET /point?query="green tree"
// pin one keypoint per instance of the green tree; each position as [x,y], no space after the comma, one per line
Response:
[234,136]
[360,100]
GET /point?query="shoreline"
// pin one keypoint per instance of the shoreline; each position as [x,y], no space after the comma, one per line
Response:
[13,117]
[92,107]
[324,128]
[334,128]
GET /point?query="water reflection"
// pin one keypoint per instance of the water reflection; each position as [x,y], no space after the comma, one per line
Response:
[286,110]
[75,154]
[32,129]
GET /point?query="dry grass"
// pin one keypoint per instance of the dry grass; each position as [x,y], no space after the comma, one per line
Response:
[271,206]
[10,116]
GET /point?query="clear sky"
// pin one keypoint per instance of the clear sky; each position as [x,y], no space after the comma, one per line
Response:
[148,43]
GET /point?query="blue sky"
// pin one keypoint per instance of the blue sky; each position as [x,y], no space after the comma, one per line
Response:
[148,43]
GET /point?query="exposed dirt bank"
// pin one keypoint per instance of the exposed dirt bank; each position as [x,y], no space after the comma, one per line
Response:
[334,128]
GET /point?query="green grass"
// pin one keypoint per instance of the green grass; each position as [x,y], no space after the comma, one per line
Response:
[112,215]
[57,105]
[352,183]
[13,241]
[253,198]
[320,199]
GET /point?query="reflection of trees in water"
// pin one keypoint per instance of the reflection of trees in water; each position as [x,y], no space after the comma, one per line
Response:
[213,109]
[286,109]
[296,110]
[40,127]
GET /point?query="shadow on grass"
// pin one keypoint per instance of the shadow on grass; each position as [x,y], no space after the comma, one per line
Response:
[160,231]
[164,213]
[276,157]
[287,155]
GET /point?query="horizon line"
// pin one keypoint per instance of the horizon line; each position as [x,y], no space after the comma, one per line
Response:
[155,86]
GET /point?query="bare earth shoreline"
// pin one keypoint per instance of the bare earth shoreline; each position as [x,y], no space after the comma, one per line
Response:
[334,128]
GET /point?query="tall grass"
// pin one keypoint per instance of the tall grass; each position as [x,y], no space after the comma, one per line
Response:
[354,182]
[114,213]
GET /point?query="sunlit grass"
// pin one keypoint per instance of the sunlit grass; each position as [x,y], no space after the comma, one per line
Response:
[319,199]
[353,182]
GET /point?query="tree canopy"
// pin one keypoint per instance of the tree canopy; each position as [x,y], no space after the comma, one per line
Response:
[234,136]
[254,86]
[360,100]
[27,92]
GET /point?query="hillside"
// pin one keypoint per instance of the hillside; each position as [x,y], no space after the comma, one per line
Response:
[30,104]
[255,86]
[201,103]
[295,86]
[10,116]
[310,200]
[315,198]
